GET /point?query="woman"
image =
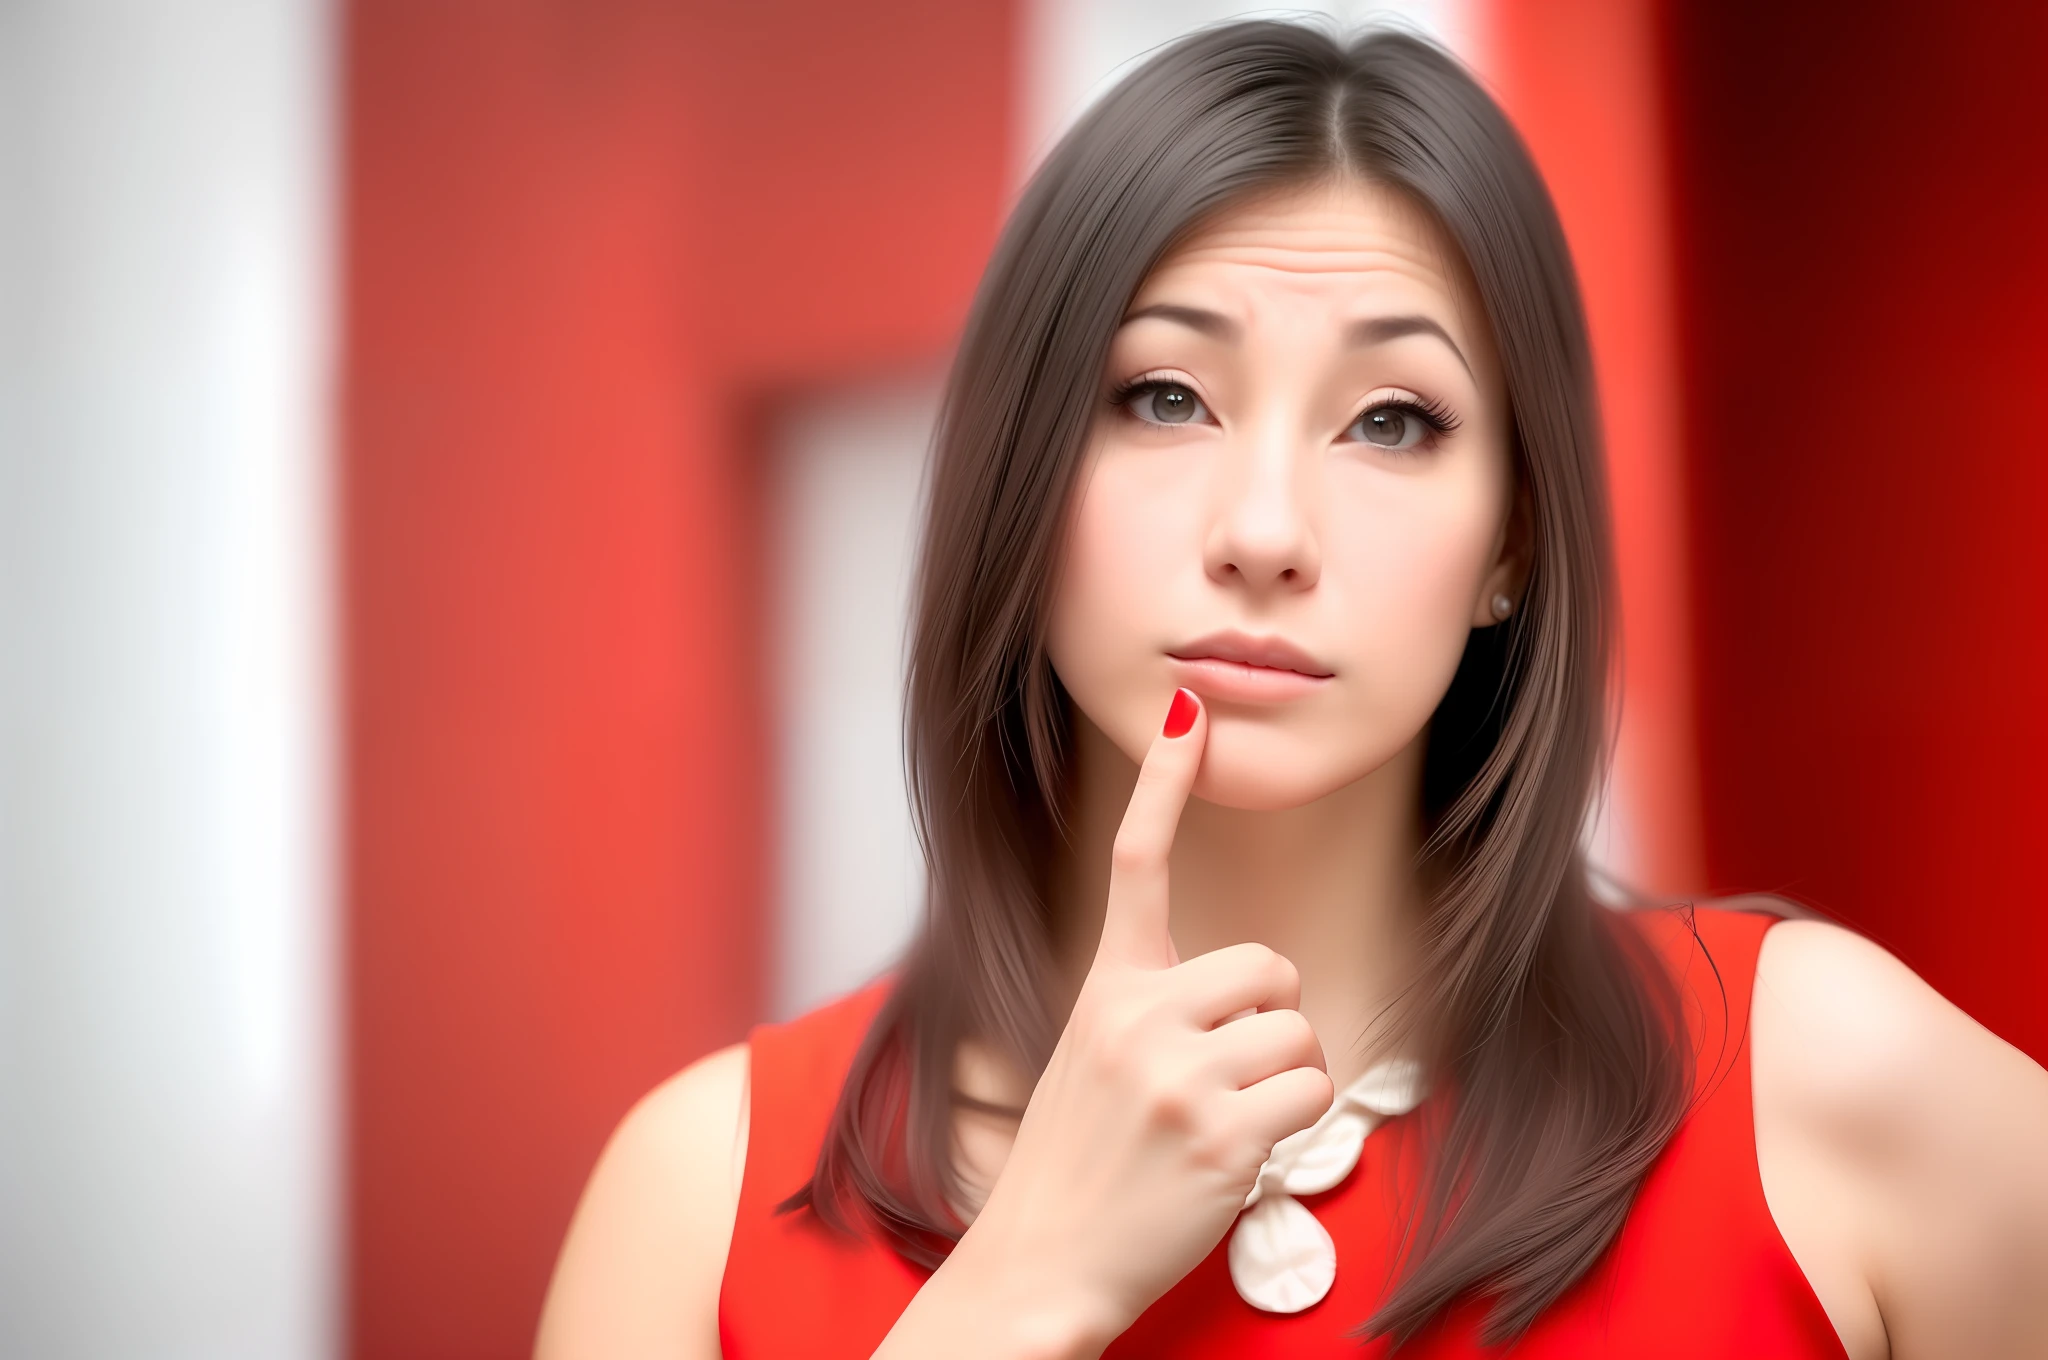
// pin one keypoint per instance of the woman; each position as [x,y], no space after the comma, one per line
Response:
[1266,555]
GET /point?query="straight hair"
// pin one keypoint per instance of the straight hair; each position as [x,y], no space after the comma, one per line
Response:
[1544,1013]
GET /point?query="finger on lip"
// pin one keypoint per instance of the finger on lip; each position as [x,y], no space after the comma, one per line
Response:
[1134,925]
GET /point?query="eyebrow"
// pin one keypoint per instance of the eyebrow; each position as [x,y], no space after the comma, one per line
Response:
[1381,329]
[1374,331]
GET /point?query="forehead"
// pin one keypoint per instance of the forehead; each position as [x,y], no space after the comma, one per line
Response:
[1345,244]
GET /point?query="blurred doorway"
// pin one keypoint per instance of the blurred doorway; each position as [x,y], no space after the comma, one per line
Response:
[844,520]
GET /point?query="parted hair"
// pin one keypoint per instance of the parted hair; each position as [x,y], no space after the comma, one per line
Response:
[1542,1012]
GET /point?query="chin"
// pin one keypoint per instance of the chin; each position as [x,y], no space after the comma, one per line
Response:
[1254,775]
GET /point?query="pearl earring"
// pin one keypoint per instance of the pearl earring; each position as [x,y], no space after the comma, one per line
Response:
[1502,606]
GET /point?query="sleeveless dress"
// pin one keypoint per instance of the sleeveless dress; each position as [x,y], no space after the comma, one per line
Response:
[1698,1270]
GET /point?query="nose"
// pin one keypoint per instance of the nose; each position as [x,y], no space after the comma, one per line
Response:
[1262,535]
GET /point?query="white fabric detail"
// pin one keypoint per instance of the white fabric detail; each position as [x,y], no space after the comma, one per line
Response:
[1281,1259]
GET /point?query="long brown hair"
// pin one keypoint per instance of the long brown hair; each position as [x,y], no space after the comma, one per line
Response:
[1554,1026]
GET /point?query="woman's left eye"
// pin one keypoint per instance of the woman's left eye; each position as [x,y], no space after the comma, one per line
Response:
[1394,426]
[1164,403]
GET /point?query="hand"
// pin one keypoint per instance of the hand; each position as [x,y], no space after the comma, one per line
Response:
[1166,1092]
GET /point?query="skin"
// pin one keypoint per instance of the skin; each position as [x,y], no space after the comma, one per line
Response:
[1897,1141]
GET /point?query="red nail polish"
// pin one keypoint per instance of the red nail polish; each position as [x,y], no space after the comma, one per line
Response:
[1181,716]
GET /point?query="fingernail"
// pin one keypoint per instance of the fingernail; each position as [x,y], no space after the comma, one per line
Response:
[1181,716]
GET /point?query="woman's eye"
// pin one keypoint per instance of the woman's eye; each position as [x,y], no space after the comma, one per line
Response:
[1390,427]
[1166,404]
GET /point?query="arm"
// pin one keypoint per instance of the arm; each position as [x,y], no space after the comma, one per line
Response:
[1902,1152]
[640,1271]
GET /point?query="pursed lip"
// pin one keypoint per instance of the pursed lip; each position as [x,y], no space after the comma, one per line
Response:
[1241,649]
[1239,668]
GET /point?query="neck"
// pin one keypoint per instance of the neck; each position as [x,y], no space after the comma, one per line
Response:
[1330,885]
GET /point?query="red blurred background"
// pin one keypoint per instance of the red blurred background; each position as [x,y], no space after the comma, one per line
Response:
[591,249]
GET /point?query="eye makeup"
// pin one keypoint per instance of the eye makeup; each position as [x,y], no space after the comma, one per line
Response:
[1148,381]
[1147,387]
[1399,415]
[1430,415]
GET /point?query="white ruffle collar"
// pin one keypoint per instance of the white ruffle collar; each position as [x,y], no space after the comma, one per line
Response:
[1281,1259]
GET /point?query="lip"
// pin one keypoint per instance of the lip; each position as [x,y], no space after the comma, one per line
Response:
[1249,669]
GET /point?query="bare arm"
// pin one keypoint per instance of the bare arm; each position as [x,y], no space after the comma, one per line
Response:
[640,1270]
[1902,1152]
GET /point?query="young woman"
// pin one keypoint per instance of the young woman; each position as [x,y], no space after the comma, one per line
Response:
[1267,559]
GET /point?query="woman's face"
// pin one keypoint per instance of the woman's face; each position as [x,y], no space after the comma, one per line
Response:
[1296,497]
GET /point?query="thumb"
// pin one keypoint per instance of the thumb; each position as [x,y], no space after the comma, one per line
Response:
[1134,921]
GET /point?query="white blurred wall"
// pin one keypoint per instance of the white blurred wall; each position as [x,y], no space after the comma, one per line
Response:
[848,485]
[166,1034]
[1076,50]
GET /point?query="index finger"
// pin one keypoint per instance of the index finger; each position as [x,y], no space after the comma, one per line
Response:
[1134,922]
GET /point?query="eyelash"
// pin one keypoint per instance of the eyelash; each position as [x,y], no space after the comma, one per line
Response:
[1440,419]
[1143,383]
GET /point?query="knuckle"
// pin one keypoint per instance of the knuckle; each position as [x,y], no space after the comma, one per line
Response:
[1132,852]
[1258,959]
[1170,1105]
[1311,1052]
[1281,970]
[1273,971]
[1251,956]
[1296,1102]
[1297,1035]
[1317,1093]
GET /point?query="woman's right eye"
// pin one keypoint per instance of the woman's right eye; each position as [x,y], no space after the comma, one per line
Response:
[1164,403]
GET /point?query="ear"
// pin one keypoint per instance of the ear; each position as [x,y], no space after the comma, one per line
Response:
[1510,571]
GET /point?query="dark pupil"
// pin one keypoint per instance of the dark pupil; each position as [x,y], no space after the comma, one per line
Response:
[1385,427]
[1173,404]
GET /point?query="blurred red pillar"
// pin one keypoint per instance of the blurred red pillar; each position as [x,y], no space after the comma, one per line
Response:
[1582,80]
[1865,257]
[586,246]
[1812,251]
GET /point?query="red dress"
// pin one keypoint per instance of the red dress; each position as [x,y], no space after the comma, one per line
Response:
[1699,1269]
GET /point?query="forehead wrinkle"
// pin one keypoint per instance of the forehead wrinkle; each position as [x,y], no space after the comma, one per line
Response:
[1230,282]
[1300,235]
[1249,305]
[1282,260]
[1240,284]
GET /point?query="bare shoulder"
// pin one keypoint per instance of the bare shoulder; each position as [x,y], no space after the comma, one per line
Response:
[1850,1022]
[1898,1142]
[640,1269]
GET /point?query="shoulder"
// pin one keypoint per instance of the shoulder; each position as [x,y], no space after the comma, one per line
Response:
[647,1251]
[1845,1024]
[1899,1143]
[1850,1035]
[640,1270]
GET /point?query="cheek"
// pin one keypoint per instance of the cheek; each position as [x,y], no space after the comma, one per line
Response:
[1403,566]
[1132,553]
